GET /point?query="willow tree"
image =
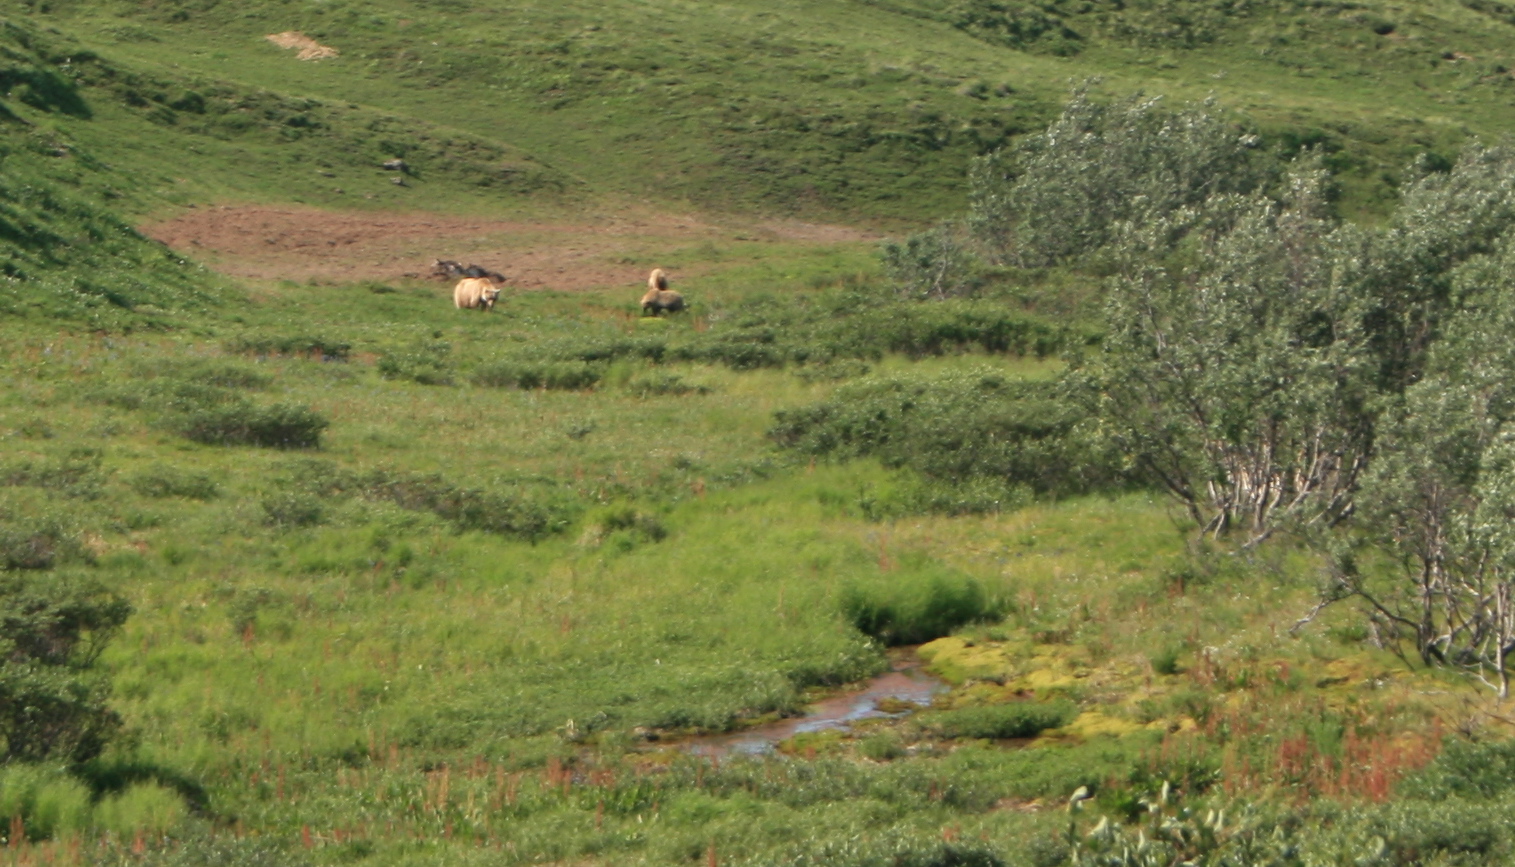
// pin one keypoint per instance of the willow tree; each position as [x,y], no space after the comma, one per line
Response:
[1235,369]
[1062,193]
[1439,500]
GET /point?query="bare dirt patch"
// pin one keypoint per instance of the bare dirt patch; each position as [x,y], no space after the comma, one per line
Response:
[309,48]
[270,243]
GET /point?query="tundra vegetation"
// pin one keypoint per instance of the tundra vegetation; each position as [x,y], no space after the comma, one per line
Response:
[1179,448]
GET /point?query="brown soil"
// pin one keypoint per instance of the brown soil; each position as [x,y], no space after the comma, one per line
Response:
[259,242]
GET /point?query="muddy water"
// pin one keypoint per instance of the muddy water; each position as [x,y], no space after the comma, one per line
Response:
[905,682]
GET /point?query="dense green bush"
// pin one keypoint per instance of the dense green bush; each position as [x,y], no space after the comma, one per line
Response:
[922,601]
[279,425]
[52,699]
[1021,719]
[50,801]
[1466,769]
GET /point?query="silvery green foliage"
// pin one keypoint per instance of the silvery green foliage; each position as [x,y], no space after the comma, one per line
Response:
[1440,496]
[931,264]
[1444,219]
[1060,194]
[1236,369]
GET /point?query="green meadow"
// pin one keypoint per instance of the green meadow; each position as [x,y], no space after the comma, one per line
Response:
[329,572]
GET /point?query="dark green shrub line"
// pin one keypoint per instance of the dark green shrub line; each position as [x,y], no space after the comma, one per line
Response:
[216,415]
[562,375]
[76,475]
[279,425]
[758,338]
[319,347]
[976,438]
[517,511]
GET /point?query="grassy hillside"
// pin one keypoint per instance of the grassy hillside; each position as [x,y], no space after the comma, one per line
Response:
[836,109]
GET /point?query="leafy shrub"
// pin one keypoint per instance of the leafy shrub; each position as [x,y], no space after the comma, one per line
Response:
[931,264]
[425,363]
[881,747]
[292,509]
[37,541]
[1018,25]
[302,345]
[562,375]
[1165,661]
[1061,27]
[659,384]
[49,801]
[507,513]
[921,602]
[832,371]
[144,807]
[279,425]
[165,395]
[52,701]
[163,480]
[1013,720]
[625,524]
[920,330]
[1466,770]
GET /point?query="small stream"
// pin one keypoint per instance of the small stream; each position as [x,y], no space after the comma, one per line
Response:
[904,682]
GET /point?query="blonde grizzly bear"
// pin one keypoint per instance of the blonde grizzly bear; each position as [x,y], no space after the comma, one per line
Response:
[475,293]
[659,298]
